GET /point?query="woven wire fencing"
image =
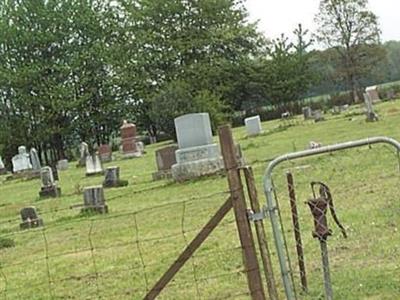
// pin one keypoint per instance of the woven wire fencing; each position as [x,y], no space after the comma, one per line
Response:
[122,255]
[358,258]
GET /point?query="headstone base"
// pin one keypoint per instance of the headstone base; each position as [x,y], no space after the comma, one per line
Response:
[115,184]
[194,169]
[95,173]
[372,117]
[166,174]
[102,209]
[50,192]
[31,224]
[27,174]
[132,155]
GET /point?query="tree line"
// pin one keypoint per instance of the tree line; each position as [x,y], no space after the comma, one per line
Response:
[73,70]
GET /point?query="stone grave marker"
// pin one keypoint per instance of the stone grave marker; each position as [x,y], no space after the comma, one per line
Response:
[197,154]
[112,178]
[318,116]
[253,125]
[21,161]
[30,218]
[93,165]
[36,166]
[83,154]
[3,169]
[373,94]
[49,187]
[62,165]
[165,159]
[93,200]
[105,153]
[128,136]
[371,115]
[307,113]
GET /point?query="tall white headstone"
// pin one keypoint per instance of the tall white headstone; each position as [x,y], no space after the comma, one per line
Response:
[373,94]
[21,161]
[371,115]
[36,166]
[253,125]
[197,154]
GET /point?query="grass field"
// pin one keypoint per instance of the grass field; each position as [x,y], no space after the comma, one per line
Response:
[122,254]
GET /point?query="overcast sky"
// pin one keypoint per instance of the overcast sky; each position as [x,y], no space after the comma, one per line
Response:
[282,16]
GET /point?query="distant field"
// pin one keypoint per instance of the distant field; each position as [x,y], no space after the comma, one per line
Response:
[122,254]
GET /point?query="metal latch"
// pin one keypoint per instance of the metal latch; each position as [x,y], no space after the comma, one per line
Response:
[258,216]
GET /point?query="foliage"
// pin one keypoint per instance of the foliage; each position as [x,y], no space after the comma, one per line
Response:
[177,99]
[288,71]
[352,30]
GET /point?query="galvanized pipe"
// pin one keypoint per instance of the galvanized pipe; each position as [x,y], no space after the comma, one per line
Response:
[271,201]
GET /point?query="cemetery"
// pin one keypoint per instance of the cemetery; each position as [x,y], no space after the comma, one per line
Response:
[108,216]
[199,149]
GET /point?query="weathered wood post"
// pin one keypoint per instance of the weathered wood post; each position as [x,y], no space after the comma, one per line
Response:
[240,209]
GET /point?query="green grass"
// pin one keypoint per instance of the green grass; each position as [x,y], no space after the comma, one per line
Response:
[122,254]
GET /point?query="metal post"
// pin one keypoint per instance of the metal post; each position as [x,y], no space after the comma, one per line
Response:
[325,266]
[297,233]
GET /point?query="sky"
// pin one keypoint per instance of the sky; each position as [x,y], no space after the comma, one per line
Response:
[282,16]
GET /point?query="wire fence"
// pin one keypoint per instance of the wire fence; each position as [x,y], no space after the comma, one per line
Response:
[340,221]
[120,256]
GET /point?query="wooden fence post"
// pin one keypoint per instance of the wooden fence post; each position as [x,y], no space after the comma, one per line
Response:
[261,236]
[240,209]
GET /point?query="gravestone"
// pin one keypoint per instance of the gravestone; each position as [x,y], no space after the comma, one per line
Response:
[3,169]
[93,200]
[140,147]
[36,166]
[253,125]
[307,113]
[128,136]
[105,153]
[55,172]
[83,154]
[371,115]
[30,218]
[336,110]
[390,95]
[62,165]
[373,94]
[165,159]
[49,187]
[93,165]
[21,161]
[112,178]
[318,115]
[197,154]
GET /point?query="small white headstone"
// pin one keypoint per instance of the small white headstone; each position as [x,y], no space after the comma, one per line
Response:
[62,165]
[253,125]
[193,130]
[93,165]
[21,161]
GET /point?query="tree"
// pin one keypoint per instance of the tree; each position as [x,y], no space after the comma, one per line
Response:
[288,69]
[352,30]
[199,42]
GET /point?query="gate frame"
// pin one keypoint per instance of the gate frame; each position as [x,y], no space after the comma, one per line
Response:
[271,202]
